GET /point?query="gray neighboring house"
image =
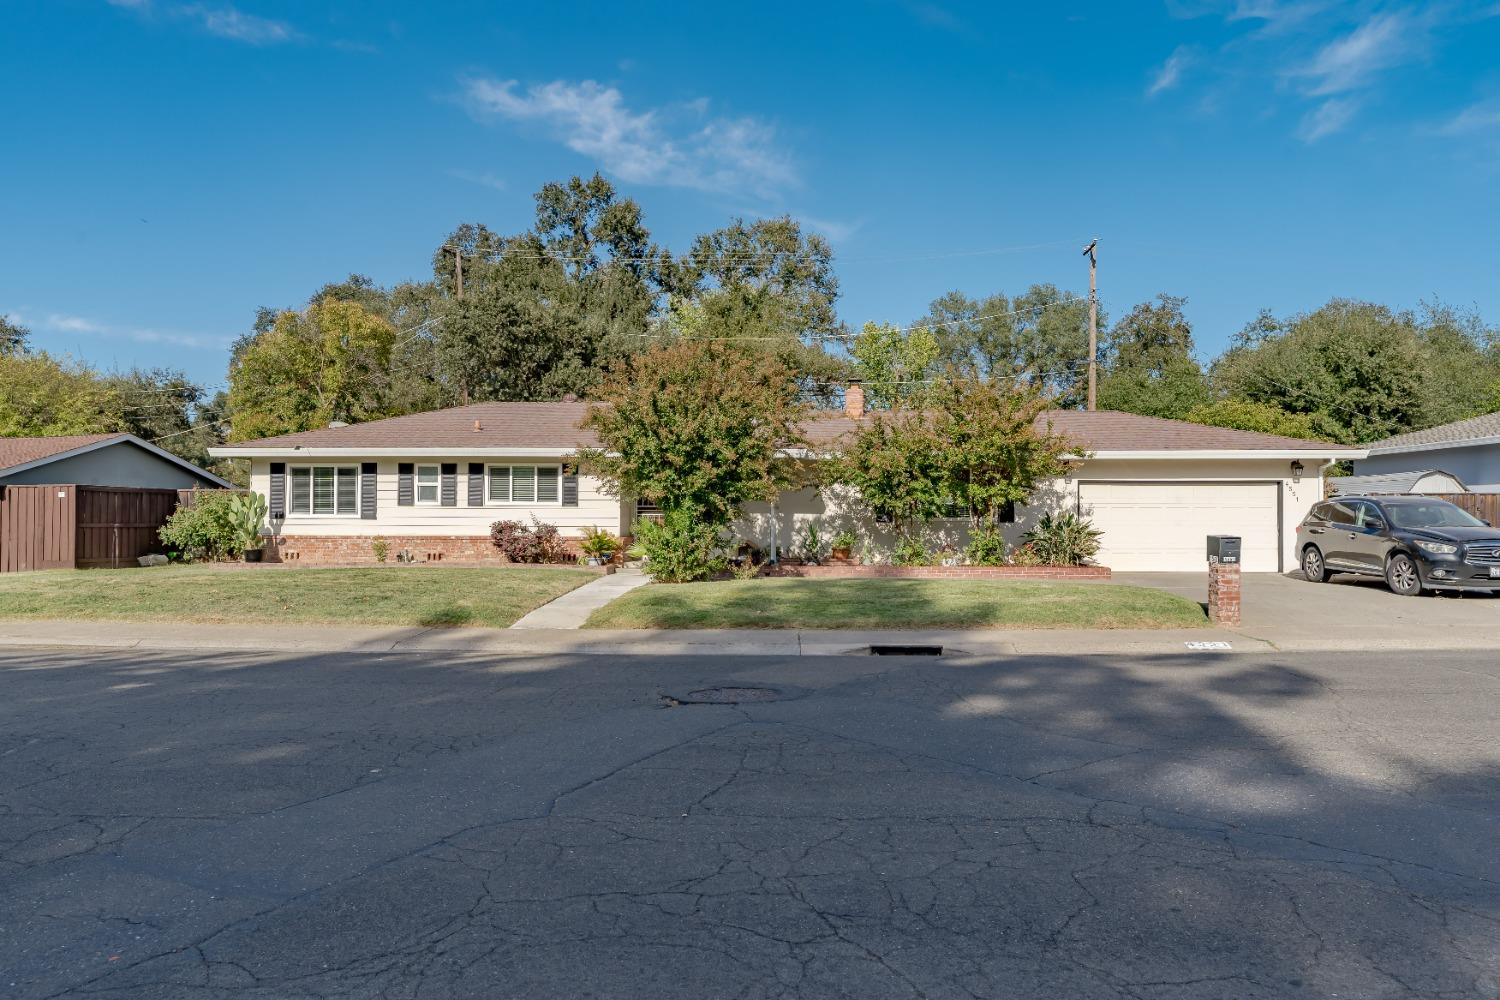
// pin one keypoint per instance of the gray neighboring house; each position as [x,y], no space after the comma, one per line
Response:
[1422,483]
[97,460]
[1468,450]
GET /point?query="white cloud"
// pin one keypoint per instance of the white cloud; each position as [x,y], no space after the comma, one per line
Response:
[61,323]
[229,22]
[1170,73]
[1333,115]
[1352,62]
[1480,117]
[484,178]
[677,146]
[224,20]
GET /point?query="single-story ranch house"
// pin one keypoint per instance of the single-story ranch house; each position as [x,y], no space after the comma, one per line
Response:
[431,484]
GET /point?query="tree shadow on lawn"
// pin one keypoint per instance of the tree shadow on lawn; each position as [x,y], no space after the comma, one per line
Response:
[1228,826]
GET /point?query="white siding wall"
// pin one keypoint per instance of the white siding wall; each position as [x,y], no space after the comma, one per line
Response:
[832,509]
[594,507]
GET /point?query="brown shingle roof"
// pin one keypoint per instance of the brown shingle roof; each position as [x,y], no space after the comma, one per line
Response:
[16,451]
[1474,430]
[555,425]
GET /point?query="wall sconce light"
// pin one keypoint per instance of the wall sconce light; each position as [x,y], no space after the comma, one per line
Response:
[1297,468]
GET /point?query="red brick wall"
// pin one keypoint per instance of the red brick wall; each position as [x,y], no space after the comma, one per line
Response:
[944,572]
[1224,593]
[355,549]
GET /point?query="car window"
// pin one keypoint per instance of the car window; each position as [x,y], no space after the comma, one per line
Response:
[1339,512]
[1432,514]
[1367,515]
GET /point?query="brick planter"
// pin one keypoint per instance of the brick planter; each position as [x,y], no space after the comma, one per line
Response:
[354,550]
[851,572]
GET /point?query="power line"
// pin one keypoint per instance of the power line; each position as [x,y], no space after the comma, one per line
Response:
[746,257]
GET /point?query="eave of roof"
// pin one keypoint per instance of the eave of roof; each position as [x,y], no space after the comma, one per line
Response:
[110,442]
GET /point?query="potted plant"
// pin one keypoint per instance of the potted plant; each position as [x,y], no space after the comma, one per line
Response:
[248,513]
[598,546]
[843,546]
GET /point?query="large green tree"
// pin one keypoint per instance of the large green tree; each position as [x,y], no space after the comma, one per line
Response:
[893,363]
[1357,370]
[1148,363]
[13,336]
[329,362]
[697,427]
[1038,338]
[970,443]
[42,395]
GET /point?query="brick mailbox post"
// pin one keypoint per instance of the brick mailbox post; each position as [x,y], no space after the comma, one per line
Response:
[1224,579]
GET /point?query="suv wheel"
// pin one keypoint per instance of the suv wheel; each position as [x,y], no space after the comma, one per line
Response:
[1401,575]
[1313,567]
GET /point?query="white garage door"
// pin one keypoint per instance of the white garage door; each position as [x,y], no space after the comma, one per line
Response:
[1165,526]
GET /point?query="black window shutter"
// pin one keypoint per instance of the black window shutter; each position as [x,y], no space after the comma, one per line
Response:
[570,486]
[450,484]
[277,503]
[367,490]
[476,484]
[405,489]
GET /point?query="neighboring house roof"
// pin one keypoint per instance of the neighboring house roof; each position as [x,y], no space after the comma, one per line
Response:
[1459,434]
[518,428]
[18,454]
[1434,481]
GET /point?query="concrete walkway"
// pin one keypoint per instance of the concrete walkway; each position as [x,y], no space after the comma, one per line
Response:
[572,609]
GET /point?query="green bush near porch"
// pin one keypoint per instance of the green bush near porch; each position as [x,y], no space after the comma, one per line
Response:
[244,595]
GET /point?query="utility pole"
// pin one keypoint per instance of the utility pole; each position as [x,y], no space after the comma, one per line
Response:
[1089,252]
[458,271]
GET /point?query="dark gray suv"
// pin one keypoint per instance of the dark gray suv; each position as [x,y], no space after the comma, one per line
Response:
[1416,543]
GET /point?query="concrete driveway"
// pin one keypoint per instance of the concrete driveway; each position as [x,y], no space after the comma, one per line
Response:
[280,826]
[1347,612]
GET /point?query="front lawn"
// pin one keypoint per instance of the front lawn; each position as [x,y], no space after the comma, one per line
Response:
[875,604]
[391,595]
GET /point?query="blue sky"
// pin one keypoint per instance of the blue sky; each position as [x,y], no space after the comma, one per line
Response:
[168,166]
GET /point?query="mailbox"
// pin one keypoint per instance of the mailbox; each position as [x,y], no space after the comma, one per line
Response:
[1224,548]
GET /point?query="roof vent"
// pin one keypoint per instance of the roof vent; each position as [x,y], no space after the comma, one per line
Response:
[477,428]
[337,423]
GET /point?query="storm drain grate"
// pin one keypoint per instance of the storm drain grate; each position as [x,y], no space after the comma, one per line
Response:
[897,650]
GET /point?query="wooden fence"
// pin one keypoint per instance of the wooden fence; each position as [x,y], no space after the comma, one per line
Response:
[66,527]
[1485,506]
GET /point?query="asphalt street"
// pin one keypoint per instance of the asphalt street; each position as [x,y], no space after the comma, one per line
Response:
[425,824]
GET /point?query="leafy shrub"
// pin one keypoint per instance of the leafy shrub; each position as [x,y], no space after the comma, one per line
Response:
[1064,539]
[209,527]
[679,549]
[599,544]
[540,543]
[1025,555]
[845,539]
[812,544]
[910,550]
[986,546]
[380,548]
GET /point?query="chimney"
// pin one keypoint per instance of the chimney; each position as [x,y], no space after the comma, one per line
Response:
[854,401]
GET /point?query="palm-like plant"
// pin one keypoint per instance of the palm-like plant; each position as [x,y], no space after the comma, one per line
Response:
[1064,539]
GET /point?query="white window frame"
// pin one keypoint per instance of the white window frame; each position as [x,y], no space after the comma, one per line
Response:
[510,483]
[310,467]
[437,486]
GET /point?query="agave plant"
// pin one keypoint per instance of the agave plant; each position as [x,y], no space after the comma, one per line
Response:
[1063,539]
